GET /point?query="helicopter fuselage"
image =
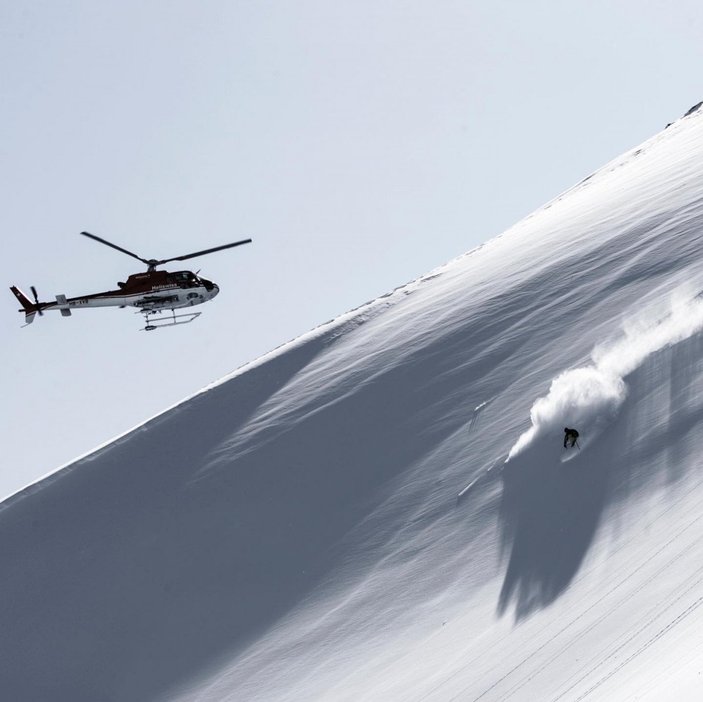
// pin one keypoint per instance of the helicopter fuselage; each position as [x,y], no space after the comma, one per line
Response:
[151,291]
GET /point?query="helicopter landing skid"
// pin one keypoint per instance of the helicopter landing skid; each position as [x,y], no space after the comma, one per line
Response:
[171,321]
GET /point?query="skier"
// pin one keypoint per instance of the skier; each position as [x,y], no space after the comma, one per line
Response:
[570,435]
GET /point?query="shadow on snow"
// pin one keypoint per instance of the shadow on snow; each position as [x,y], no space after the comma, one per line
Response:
[550,510]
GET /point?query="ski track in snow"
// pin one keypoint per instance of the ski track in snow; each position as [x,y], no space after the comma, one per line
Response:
[606,612]
[558,629]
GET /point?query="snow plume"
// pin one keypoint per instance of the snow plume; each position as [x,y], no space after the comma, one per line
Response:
[589,397]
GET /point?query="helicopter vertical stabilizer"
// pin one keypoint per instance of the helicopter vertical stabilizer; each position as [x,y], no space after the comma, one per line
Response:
[26,303]
[29,308]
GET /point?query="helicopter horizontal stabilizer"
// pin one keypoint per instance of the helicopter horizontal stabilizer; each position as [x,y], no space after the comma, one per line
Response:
[62,304]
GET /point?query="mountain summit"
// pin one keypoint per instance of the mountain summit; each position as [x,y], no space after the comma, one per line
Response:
[383,508]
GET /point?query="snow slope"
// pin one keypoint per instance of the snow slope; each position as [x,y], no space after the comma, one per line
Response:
[379,510]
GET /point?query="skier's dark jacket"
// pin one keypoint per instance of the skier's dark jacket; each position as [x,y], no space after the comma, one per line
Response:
[570,435]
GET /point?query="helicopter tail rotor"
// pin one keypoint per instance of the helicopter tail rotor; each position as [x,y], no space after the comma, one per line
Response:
[36,300]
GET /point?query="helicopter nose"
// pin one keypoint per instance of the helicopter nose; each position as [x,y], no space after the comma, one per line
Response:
[215,290]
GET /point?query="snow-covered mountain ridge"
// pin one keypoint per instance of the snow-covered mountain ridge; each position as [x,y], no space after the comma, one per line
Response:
[340,520]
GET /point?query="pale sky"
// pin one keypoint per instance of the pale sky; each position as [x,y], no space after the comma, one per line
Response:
[360,144]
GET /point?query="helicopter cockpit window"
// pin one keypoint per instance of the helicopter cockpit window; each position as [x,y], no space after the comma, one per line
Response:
[182,278]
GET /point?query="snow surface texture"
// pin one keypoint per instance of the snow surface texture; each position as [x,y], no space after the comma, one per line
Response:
[379,509]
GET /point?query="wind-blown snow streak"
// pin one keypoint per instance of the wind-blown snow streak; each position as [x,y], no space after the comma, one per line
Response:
[293,532]
[589,397]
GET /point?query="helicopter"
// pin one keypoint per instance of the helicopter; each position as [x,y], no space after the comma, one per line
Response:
[153,292]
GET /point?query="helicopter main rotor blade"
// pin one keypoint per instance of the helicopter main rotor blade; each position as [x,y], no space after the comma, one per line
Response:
[114,246]
[206,251]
